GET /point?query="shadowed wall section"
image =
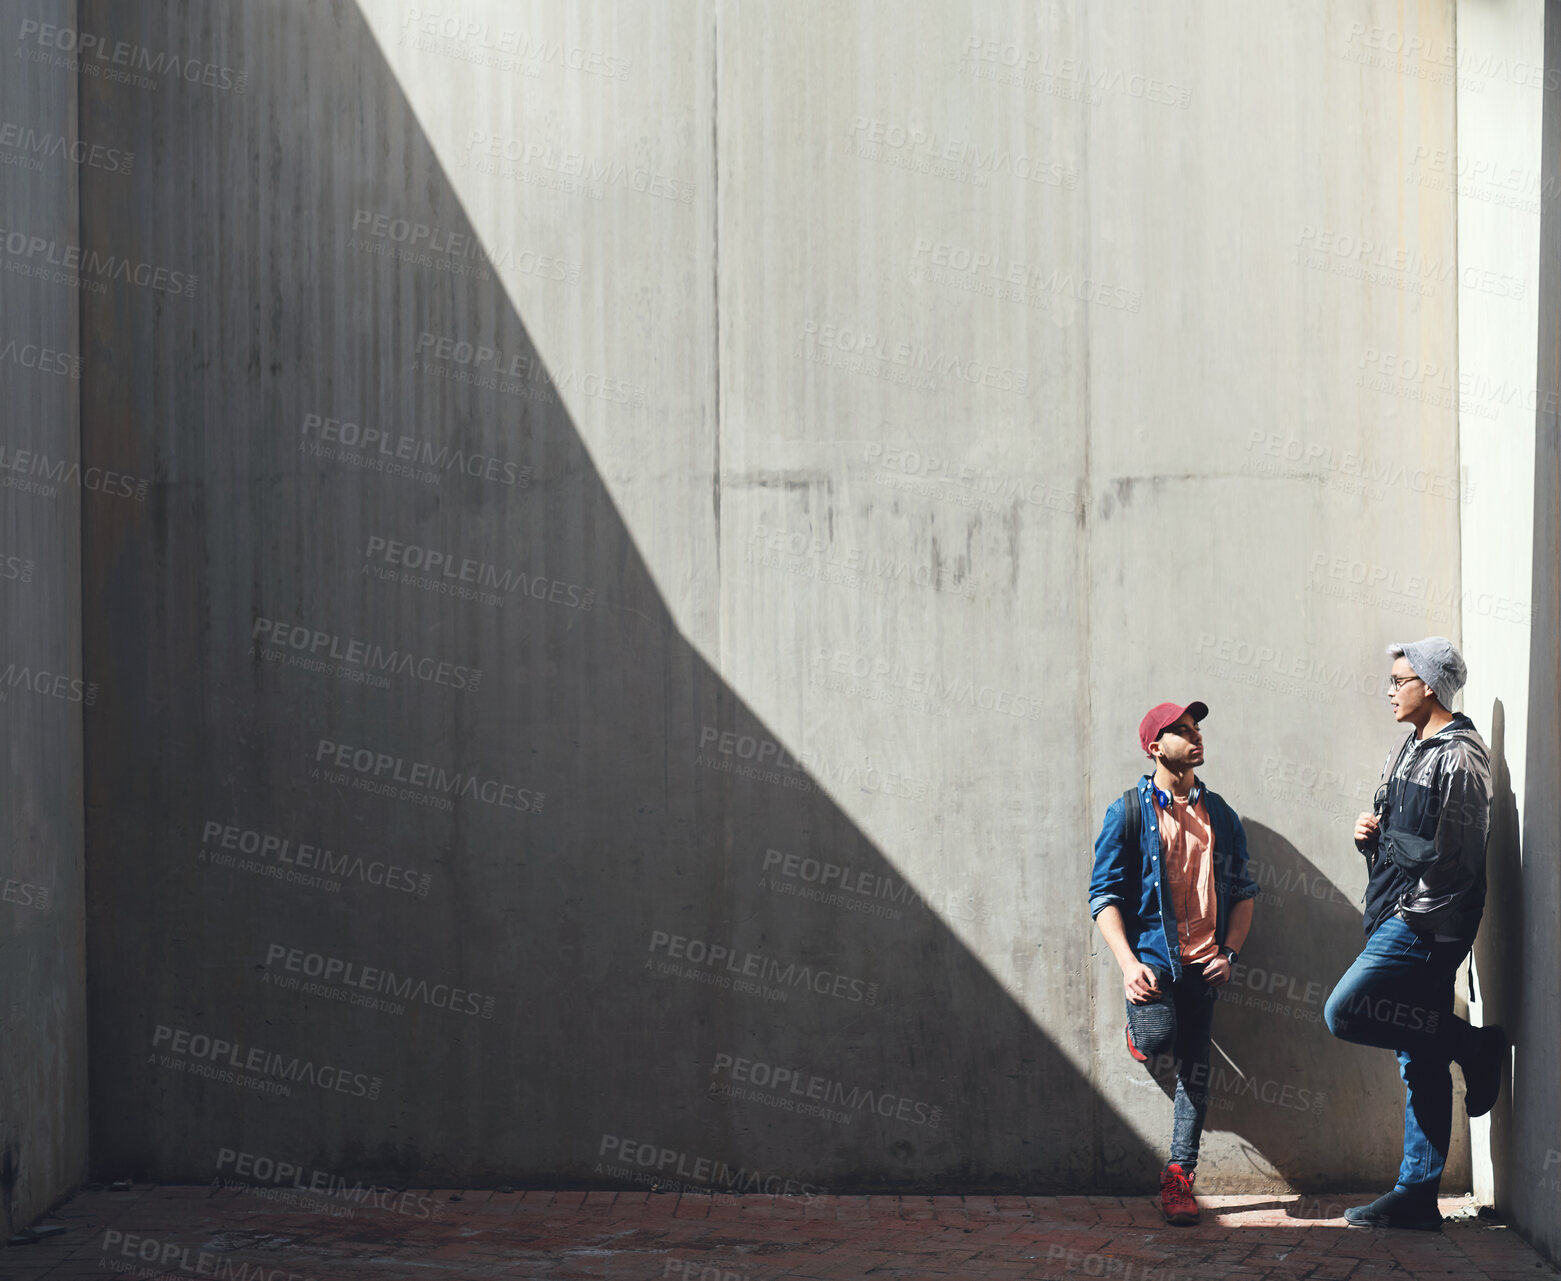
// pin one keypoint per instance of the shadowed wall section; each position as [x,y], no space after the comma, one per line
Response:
[661,526]
[43,1024]
[511,897]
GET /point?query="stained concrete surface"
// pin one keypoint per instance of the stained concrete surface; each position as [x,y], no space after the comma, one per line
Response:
[838,424]
[614,897]
[939,694]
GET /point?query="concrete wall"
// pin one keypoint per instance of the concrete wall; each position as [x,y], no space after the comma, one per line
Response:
[828,435]
[43,1066]
[1497,172]
[1507,108]
[1529,1178]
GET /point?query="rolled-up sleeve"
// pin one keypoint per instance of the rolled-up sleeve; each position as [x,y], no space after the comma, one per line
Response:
[1108,879]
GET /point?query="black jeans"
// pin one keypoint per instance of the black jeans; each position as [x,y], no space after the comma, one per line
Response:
[1174,1030]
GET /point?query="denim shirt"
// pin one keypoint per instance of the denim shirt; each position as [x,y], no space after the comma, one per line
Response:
[1135,881]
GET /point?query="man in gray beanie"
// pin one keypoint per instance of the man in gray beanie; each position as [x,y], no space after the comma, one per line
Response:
[1424,844]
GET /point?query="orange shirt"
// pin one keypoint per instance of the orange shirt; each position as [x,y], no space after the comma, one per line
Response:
[1187,844]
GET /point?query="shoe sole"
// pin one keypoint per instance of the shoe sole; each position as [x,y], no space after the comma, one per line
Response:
[1132,1049]
[1506,1058]
[1396,1227]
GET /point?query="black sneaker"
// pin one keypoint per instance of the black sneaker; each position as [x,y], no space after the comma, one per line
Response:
[1397,1209]
[1482,1078]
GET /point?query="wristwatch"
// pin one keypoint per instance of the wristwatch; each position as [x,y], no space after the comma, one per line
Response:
[1231,954]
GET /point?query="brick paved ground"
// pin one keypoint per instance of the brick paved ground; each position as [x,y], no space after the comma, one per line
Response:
[235,1235]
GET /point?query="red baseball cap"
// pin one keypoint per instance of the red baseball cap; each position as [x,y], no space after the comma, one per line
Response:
[1162,716]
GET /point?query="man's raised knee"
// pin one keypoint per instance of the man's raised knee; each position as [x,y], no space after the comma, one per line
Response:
[1335,1015]
[1155,1035]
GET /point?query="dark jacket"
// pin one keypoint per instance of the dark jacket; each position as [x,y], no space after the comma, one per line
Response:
[1134,879]
[1444,798]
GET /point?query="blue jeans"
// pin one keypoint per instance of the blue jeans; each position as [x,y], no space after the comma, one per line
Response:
[1399,996]
[1173,1030]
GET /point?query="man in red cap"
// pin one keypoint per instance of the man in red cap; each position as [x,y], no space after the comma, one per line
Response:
[1171,895]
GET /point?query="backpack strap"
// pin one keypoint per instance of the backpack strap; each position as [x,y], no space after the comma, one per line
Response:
[1133,819]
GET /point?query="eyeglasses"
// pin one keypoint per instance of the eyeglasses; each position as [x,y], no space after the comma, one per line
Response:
[1398,682]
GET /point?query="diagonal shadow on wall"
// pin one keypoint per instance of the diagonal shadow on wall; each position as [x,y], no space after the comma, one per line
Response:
[222,761]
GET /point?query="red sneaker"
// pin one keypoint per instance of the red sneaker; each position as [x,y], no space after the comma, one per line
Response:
[1132,1049]
[1176,1201]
